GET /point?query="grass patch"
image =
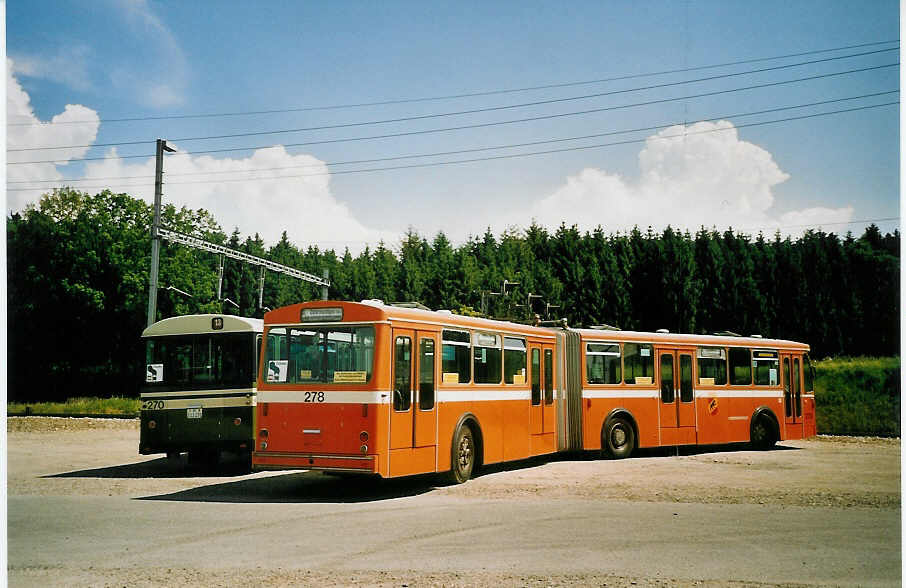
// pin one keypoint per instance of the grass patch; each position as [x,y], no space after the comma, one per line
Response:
[858,396]
[113,406]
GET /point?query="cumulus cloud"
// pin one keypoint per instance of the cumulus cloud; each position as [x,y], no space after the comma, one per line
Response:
[691,176]
[24,130]
[302,206]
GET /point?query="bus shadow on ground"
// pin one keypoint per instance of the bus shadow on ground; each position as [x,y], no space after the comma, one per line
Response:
[306,487]
[162,467]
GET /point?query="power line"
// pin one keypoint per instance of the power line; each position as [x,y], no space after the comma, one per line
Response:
[463,112]
[499,157]
[478,149]
[470,94]
[479,125]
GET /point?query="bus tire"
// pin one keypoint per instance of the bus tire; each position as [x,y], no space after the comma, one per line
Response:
[618,438]
[763,434]
[463,454]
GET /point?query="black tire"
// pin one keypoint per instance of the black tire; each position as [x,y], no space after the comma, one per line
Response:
[463,455]
[618,438]
[764,433]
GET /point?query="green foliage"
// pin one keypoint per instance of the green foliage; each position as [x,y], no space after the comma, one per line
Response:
[79,263]
[82,405]
[858,396]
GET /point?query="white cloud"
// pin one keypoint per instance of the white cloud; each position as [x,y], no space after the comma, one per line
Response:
[302,206]
[689,177]
[69,66]
[25,130]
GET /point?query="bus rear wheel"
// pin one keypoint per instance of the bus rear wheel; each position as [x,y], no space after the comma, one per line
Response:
[462,455]
[618,438]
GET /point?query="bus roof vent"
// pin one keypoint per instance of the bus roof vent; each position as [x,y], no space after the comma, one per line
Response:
[373,302]
[605,327]
[755,336]
[726,334]
[417,305]
[445,311]
[662,331]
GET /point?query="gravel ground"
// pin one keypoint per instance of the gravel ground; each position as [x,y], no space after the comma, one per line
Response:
[835,472]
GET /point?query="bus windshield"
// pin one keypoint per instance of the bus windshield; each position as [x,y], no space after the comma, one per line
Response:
[299,355]
[200,362]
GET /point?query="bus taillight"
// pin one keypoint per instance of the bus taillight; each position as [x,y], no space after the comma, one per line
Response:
[363,436]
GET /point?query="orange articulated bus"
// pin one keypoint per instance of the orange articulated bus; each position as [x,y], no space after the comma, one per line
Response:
[395,391]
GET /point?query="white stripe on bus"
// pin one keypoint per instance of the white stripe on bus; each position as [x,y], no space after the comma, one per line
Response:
[183,393]
[596,393]
[739,393]
[182,403]
[384,397]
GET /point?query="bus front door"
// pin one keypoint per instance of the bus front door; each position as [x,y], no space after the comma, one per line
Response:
[677,402]
[413,412]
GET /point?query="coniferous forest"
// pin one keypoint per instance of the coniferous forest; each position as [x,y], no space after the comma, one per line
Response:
[78,268]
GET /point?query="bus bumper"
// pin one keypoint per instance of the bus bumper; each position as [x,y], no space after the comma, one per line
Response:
[366,464]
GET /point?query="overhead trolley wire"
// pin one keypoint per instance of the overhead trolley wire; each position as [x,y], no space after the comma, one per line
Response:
[471,94]
[497,157]
[478,149]
[464,112]
[479,125]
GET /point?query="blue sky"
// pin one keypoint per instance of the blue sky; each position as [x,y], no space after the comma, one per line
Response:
[93,62]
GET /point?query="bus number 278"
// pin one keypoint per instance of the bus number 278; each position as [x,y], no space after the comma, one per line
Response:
[314,397]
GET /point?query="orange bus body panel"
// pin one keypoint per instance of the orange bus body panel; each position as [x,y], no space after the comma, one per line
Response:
[356,426]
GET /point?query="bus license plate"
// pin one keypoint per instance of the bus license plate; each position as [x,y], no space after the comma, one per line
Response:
[193,413]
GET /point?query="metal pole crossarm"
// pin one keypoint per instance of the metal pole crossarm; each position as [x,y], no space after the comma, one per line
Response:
[191,241]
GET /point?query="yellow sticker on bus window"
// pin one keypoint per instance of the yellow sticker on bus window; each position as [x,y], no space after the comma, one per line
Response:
[304,374]
[451,377]
[641,380]
[350,377]
[518,379]
[706,381]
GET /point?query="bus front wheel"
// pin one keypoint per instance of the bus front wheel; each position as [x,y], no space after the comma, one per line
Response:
[462,455]
[763,435]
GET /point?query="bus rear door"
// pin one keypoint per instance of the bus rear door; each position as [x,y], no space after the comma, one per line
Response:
[792,396]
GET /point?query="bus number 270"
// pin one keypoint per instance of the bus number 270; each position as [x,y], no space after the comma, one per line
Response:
[314,397]
[152,404]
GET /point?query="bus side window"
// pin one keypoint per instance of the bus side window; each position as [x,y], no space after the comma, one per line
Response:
[740,366]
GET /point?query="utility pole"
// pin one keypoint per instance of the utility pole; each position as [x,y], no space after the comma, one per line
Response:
[155,230]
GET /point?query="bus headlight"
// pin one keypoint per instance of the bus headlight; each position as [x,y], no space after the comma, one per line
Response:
[152,424]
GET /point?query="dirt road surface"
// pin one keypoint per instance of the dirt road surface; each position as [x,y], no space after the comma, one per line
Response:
[84,509]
